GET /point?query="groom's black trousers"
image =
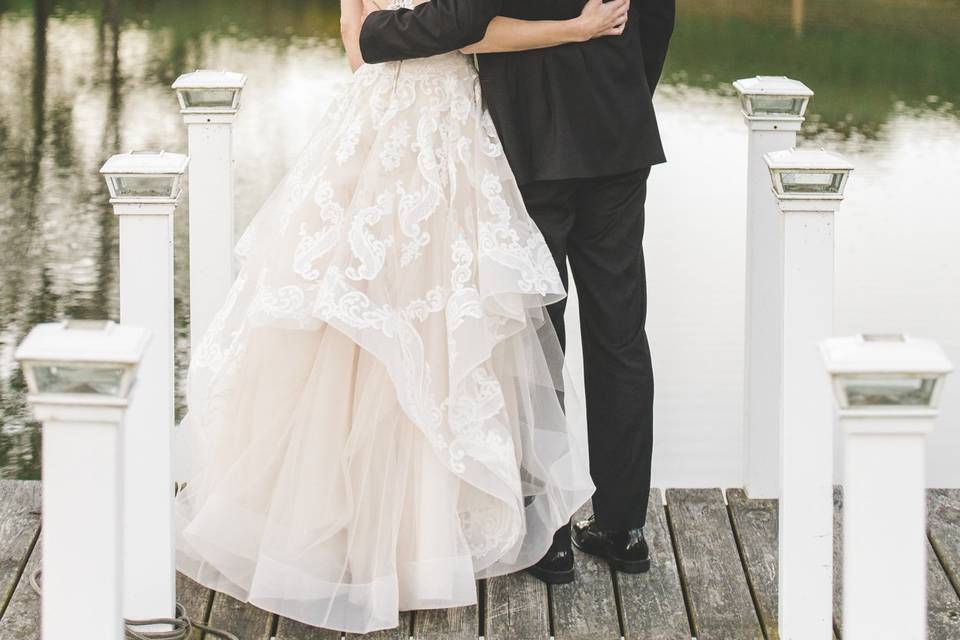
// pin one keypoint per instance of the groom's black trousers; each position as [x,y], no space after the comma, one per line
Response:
[598,224]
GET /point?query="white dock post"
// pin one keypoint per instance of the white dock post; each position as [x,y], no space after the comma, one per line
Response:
[773,108]
[144,190]
[887,390]
[209,101]
[809,187]
[79,374]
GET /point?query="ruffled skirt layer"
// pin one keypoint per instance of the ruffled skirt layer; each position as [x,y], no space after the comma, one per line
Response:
[375,413]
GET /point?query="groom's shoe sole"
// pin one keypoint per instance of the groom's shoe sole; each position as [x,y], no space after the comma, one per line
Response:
[551,577]
[623,566]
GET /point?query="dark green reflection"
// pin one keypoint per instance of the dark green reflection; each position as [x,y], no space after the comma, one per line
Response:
[864,58]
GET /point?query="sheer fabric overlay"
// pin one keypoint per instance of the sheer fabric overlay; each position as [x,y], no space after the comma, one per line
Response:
[374,414]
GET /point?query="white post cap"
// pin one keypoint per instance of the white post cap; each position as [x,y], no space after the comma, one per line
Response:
[84,341]
[146,163]
[884,354]
[210,79]
[807,159]
[772,86]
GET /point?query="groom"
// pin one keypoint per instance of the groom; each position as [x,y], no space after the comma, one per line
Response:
[578,128]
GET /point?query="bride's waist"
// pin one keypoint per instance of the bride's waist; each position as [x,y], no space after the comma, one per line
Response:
[444,63]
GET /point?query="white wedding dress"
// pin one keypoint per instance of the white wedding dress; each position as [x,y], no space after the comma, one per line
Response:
[373,414]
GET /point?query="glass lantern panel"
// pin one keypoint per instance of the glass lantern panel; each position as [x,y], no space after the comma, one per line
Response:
[208,98]
[884,337]
[776,105]
[889,392]
[144,186]
[812,182]
[86,380]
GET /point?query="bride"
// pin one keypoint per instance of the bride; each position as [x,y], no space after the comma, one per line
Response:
[374,413]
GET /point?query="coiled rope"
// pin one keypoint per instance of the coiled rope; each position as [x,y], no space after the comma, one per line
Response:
[181,626]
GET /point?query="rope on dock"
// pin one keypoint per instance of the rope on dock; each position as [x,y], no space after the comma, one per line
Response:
[182,626]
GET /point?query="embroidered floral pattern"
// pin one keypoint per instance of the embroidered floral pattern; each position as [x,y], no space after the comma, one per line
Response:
[400,225]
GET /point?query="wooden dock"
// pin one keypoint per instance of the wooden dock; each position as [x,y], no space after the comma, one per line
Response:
[714,577]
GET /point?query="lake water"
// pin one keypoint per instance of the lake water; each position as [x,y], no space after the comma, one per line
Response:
[82,80]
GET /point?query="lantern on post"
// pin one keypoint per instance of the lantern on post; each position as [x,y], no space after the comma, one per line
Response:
[207,93]
[773,108]
[145,188]
[144,178]
[777,100]
[808,186]
[887,390]
[80,374]
[209,101]
[807,176]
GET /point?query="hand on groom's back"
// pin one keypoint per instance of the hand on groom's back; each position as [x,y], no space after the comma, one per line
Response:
[368,7]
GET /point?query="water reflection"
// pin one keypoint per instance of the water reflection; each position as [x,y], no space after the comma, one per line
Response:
[798,16]
[83,79]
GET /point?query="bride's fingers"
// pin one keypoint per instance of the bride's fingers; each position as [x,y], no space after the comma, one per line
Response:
[614,31]
[615,7]
[618,13]
[618,21]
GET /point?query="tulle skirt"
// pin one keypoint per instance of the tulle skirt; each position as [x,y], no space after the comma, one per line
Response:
[375,415]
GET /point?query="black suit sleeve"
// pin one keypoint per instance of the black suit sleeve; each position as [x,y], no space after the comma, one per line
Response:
[429,29]
[656,20]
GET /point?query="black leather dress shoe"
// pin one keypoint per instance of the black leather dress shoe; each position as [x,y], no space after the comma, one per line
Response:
[626,551]
[554,568]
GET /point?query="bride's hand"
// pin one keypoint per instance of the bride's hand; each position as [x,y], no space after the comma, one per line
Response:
[599,18]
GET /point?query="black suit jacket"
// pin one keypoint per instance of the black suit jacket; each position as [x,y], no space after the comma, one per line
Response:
[572,111]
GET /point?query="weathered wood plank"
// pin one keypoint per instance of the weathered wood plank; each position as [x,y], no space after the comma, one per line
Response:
[652,603]
[943,524]
[21,620]
[196,601]
[943,553]
[456,623]
[943,605]
[756,527]
[755,524]
[240,618]
[837,558]
[517,605]
[710,566]
[586,608]
[401,632]
[517,608]
[19,528]
[292,630]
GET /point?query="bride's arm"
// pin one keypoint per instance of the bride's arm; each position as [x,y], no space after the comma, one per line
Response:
[351,12]
[598,19]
